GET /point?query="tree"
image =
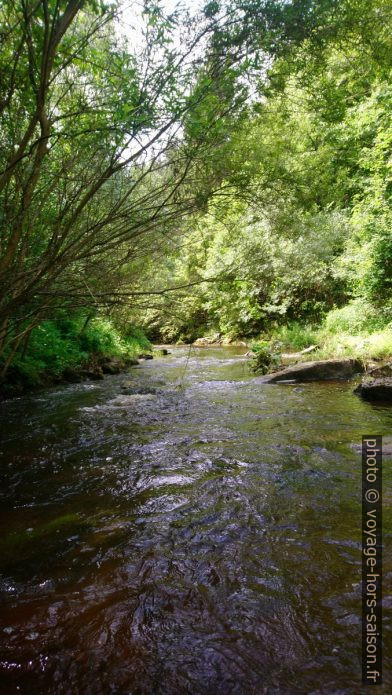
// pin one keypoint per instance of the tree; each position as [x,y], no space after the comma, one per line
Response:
[92,152]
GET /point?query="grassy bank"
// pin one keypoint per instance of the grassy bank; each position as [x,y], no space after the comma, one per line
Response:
[356,330]
[58,347]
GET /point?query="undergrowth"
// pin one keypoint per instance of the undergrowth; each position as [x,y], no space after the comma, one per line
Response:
[55,345]
[355,330]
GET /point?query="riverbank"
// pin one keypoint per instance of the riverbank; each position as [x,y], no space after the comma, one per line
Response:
[302,344]
[71,351]
[354,331]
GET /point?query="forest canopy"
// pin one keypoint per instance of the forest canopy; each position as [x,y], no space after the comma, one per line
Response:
[223,168]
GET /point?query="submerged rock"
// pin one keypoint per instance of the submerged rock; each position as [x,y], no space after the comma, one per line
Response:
[375,389]
[145,356]
[125,400]
[321,370]
[128,388]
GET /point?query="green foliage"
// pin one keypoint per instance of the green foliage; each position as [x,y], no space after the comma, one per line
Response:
[356,317]
[266,357]
[107,142]
[300,226]
[52,347]
[355,330]
[55,345]
[367,346]
[135,341]
[296,336]
[199,188]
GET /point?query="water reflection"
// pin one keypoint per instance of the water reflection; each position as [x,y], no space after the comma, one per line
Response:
[184,529]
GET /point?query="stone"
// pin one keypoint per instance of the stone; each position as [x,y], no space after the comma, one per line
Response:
[320,370]
[113,365]
[209,340]
[73,376]
[386,447]
[376,389]
[385,371]
[201,342]
[129,389]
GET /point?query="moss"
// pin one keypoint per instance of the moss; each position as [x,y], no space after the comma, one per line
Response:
[20,540]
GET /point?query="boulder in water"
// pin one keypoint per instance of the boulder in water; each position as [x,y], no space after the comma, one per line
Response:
[376,389]
[320,370]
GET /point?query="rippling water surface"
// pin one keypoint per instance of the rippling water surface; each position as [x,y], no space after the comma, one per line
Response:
[184,529]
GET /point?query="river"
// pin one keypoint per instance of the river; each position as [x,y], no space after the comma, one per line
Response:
[192,532]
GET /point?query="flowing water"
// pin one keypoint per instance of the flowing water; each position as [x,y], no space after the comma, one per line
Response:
[194,532]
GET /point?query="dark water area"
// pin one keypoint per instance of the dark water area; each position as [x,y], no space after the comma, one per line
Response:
[198,534]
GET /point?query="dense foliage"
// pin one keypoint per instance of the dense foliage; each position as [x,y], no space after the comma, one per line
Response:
[221,171]
[63,344]
[301,225]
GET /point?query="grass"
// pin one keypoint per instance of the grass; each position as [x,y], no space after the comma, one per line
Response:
[363,345]
[295,336]
[356,330]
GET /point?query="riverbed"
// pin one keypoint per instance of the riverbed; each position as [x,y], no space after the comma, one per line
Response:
[184,529]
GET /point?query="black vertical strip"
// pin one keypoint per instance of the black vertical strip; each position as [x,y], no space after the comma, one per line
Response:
[372,559]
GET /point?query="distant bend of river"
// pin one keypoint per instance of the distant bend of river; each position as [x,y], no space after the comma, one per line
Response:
[198,534]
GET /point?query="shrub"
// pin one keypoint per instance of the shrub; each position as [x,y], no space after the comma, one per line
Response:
[296,335]
[57,344]
[355,317]
[266,356]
